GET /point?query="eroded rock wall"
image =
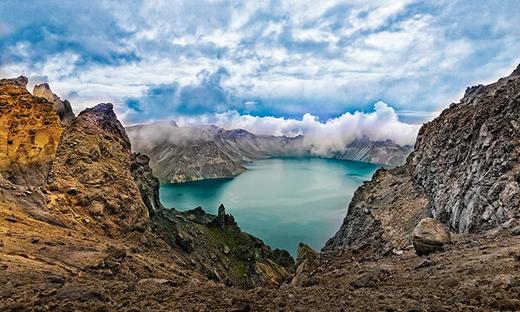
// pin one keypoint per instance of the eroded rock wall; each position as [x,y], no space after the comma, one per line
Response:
[464,171]
[468,159]
[91,177]
[29,134]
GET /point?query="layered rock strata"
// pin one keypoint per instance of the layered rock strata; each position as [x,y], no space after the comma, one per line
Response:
[464,171]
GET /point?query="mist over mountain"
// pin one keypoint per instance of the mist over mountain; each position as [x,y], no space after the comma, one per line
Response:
[319,138]
[196,152]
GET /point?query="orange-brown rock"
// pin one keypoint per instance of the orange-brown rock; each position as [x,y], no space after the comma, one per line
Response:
[61,107]
[29,134]
[91,179]
[88,217]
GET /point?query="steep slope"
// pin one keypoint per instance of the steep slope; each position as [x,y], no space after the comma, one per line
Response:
[90,175]
[61,107]
[181,154]
[376,152]
[29,134]
[464,171]
[87,209]
[47,267]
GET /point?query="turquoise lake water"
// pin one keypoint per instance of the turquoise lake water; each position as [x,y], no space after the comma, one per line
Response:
[281,201]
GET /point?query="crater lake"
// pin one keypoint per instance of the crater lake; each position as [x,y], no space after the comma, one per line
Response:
[282,201]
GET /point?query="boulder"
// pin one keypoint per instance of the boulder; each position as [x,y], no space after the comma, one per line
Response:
[429,236]
[372,277]
[305,259]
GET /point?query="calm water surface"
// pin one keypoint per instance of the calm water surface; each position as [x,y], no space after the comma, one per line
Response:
[281,201]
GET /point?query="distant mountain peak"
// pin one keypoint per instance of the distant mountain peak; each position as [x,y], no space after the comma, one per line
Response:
[516,72]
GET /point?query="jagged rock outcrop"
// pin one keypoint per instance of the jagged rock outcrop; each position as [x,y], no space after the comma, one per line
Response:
[468,160]
[306,259]
[226,253]
[516,72]
[62,108]
[91,174]
[464,171]
[97,206]
[29,134]
[147,183]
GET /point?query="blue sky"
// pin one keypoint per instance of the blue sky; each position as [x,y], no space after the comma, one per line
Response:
[197,59]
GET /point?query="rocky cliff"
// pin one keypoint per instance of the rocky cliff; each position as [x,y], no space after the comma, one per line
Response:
[61,107]
[190,261]
[376,152]
[75,201]
[182,154]
[29,134]
[464,171]
[91,177]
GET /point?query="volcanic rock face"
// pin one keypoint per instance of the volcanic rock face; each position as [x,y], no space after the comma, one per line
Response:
[147,183]
[467,160]
[91,174]
[185,261]
[29,134]
[77,187]
[62,108]
[464,171]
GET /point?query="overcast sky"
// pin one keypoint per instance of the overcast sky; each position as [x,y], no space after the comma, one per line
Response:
[196,59]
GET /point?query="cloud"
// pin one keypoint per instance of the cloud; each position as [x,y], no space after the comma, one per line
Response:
[36,33]
[332,135]
[205,95]
[288,57]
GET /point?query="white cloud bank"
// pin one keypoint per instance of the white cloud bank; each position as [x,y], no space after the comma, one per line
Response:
[332,135]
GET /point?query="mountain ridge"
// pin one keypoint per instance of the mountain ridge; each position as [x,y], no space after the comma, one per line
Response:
[182,154]
[444,176]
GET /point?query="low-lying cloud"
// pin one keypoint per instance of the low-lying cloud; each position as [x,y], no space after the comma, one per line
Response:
[332,135]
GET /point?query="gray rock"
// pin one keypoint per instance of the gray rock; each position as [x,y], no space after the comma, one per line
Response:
[516,230]
[184,242]
[226,249]
[429,236]
[372,278]
[424,264]
[56,279]
[463,171]
[80,293]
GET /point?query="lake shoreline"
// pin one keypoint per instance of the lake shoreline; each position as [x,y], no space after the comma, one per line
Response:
[281,200]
